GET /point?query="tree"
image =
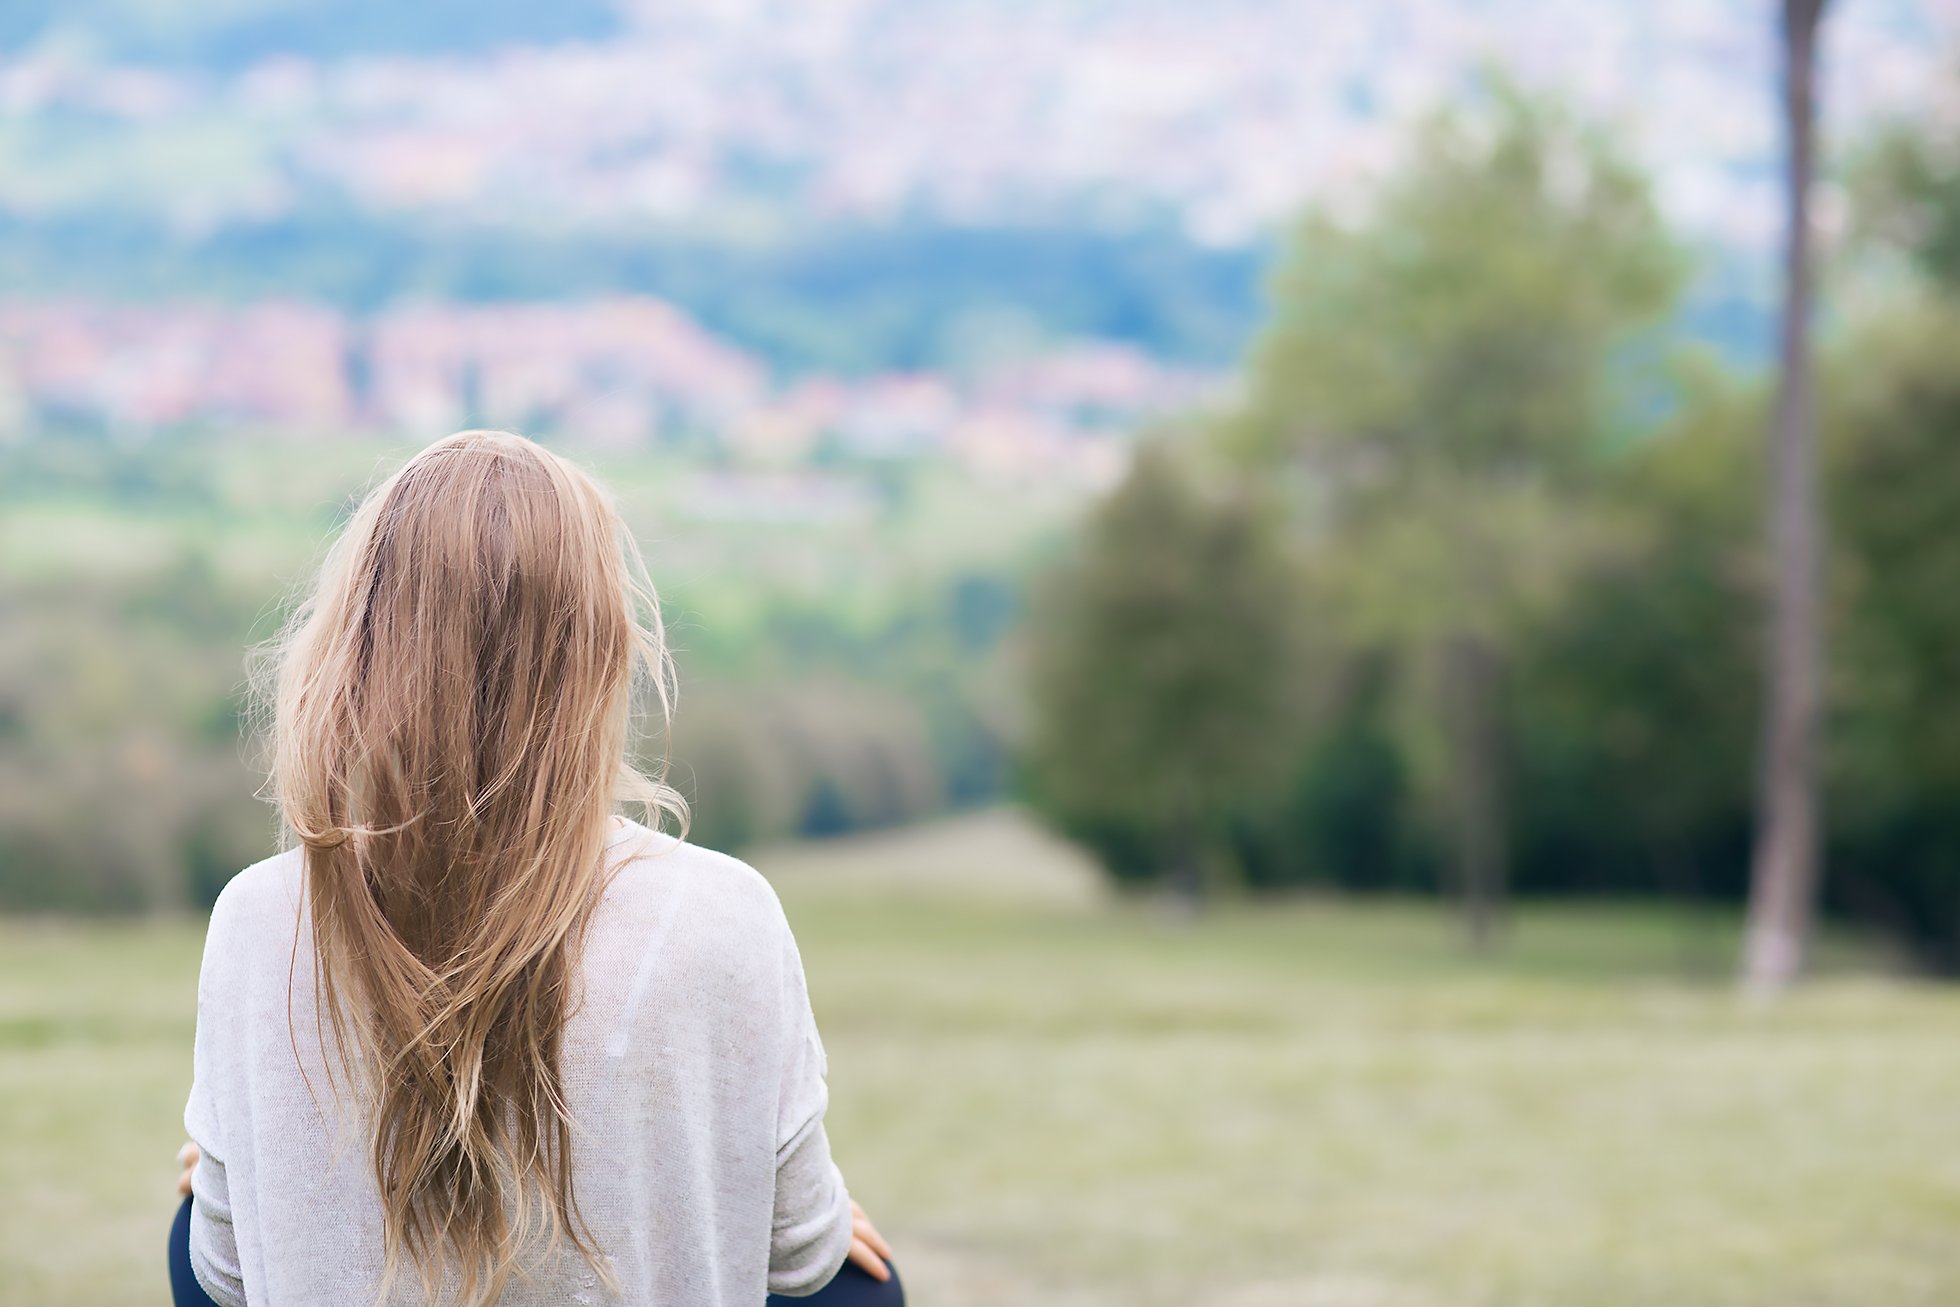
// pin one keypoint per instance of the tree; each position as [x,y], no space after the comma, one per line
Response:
[1161,675]
[1441,376]
[1785,870]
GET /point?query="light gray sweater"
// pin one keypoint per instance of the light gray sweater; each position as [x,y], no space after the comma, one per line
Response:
[692,1068]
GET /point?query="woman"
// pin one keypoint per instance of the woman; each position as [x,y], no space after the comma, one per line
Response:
[474,1038]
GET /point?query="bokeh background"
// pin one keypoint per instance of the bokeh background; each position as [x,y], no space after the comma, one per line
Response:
[1216,555]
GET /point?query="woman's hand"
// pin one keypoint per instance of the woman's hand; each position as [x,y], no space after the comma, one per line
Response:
[187,1158]
[868,1248]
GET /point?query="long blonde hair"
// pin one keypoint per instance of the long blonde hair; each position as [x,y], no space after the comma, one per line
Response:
[450,729]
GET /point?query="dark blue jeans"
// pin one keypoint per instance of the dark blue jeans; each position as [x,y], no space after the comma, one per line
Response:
[851,1288]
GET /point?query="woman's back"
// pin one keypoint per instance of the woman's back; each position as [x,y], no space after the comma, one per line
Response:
[690,1066]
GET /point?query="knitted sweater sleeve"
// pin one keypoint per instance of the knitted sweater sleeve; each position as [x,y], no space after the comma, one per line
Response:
[812,1229]
[213,1242]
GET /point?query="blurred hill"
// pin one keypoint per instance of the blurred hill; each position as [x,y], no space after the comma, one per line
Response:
[859,186]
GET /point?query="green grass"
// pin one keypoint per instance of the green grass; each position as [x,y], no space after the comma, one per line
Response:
[1046,1098]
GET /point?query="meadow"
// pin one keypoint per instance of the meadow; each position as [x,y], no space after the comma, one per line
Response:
[1048,1097]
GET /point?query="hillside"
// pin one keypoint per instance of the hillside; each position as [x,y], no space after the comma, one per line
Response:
[856,187]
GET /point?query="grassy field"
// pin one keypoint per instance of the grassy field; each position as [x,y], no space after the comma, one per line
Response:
[1049,1099]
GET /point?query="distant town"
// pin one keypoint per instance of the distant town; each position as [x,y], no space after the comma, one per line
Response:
[630,372]
[766,124]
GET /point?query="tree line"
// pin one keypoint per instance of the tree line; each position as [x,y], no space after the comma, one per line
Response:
[1469,590]
[135,579]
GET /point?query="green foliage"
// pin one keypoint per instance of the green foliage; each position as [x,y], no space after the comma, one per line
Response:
[1894,768]
[1161,671]
[1907,183]
[1442,374]
[1444,401]
[116,793]
[1445,377]
[1344,821]
[814,758]
[1636,704]
[1466,325]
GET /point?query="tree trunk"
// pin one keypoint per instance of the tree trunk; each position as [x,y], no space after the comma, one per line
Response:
[1784,874]
[1471,720]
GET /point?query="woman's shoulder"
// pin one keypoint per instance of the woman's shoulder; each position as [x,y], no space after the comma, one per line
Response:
[270,885]
[665,863]
[657,875]
[664,874]
[253,930]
